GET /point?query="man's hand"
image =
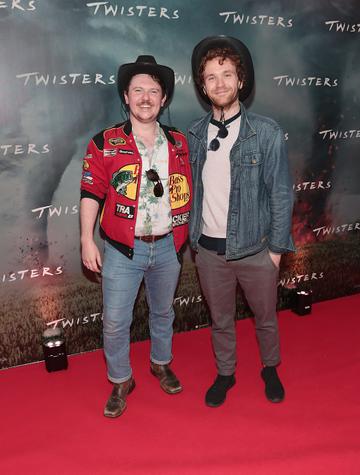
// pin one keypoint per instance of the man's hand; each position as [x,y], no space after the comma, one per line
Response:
[275,258]
[90,255]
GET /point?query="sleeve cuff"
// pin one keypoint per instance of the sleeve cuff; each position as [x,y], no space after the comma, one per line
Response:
[88,194]
[280,250]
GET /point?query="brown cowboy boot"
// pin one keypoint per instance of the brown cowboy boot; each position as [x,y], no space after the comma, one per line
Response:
[116,403]
[168,381]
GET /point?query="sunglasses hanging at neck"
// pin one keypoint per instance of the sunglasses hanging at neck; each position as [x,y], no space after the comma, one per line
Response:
[223,131]
[153,176]
[215,143]
[221,134]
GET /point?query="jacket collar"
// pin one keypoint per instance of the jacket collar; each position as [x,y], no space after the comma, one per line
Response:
[127,127]
[199,128]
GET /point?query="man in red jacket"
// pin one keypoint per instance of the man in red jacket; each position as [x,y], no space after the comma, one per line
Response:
[138,174]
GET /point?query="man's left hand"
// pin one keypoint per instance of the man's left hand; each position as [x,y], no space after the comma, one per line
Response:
[275,258]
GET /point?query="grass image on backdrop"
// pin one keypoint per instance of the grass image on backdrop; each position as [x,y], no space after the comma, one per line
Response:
[329,269]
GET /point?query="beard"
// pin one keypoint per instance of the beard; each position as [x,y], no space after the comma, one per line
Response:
[225,101]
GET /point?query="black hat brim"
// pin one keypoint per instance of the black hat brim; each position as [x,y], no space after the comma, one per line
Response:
[221,41]
[164,73]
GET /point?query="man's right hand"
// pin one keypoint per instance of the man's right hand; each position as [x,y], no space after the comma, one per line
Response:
[90,255]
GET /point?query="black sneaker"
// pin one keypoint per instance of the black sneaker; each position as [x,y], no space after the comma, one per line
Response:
[216,394]
[274,390]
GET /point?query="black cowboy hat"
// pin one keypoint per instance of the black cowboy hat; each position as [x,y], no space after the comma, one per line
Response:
[146,65]
[234,44]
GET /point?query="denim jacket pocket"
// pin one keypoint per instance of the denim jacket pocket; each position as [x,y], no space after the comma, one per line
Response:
[252,159]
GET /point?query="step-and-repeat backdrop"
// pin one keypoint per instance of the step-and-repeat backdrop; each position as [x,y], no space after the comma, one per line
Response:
[58,88]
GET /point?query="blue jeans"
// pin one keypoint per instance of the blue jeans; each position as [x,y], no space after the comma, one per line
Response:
[158,265]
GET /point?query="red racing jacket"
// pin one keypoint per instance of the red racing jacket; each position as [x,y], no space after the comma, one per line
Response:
[112,173]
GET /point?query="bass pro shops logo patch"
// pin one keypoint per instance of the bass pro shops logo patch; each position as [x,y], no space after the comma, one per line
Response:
[179,190]
[125,181]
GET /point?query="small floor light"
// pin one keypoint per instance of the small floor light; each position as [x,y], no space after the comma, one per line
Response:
[302,302]
[54,349]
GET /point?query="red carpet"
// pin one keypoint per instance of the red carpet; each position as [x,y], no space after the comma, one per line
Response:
[53,423]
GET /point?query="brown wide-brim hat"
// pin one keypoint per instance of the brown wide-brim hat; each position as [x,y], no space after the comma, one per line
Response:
[222,41]
[146,65]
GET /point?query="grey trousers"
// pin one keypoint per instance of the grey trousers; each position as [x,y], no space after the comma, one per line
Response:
[258,277]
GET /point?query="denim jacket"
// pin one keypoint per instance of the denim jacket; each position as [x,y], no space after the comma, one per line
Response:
[261,193]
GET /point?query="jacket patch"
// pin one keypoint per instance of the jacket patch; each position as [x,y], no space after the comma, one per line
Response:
[180,219]
[125,181]
[87,178]
[126,152]
[109,152]
[86,165]
[179,190]
[117,141]
[123,211]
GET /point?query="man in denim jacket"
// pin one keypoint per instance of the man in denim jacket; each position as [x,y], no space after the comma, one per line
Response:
[242,205]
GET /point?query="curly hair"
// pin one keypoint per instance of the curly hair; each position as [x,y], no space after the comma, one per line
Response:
[223,54]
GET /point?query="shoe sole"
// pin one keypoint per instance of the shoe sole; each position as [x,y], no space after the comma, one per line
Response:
[175,391]
[211,404]
[114,416]
[275,400]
